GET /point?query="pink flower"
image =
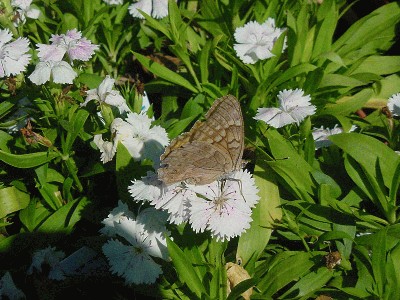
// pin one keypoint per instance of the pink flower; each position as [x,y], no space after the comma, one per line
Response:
[72,43]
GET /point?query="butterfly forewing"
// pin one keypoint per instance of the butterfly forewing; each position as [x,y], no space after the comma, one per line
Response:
[210,149]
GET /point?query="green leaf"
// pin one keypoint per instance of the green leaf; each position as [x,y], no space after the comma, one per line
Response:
[368,151]
[381,65]
[5,139]
[392,288]
[297,35]
[348,105]
[393,259]
[376,31]
[178,127]
[91,80]
[157,25]
[175,21]
[12,200]
[241,288]
[204,61]
[50,192]
[185,270]
[291,73]
[290,166]
[252,243]
[379,259]
[30,160]
[338,80]
[394,187]
[327,15]
[311,282]
[287,267]
[69,22]
[333,235]
[324,180]
[64,219]
[77,120]
[33,215]
[164,72]
[345,246]
[5,107]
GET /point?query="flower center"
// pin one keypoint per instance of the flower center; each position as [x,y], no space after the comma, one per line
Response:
[219,203]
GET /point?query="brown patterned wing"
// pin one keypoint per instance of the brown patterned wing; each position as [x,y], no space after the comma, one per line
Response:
[210,149]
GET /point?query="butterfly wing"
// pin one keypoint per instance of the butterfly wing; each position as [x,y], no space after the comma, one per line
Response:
[224,129]
[210,149]
[196,162]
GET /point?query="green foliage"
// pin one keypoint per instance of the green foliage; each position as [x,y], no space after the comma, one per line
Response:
[313,202]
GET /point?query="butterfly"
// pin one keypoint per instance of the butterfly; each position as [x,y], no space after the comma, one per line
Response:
[211,149]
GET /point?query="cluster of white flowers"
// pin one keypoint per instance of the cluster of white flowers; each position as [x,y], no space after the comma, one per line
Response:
[134,242]
[141,139]
[223,207]
[13,54]
[52,66]
[24,9]
[135,131]
[255,41]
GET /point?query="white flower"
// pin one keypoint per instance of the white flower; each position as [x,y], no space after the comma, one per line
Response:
[113,2]
[255,41]
[156,8]
[294,107]
[13,57]
[321,135]
[153,220]
[146,189]
[175,199]
[50,52]
[116,216]
[140,240]
[24,9]
[50,257]
[394,104]
[8,289]
[106,94]
[145,103]
[107,149]
[140,139]
[224,206]
[57,71]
